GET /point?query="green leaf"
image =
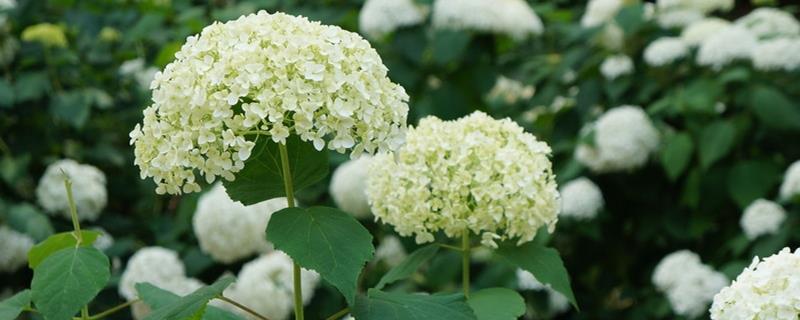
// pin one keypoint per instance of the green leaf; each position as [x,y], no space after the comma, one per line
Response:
[408,266]
[71,107]
[68,280]
[497,304]
[30,86]
[544,263]
[6,94]
[11,308]
[27,219]
[716,141]
[449,45]
[631,18]
[57,242]
[191,305]
[750,180]
[701,96]
[327,240]
[676,153]
[262,176]
[774,109]
[381,305]
[156,298]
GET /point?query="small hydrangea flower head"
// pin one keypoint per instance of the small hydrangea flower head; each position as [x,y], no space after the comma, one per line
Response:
[49,35]
[767,289]
[762,217]
[697,32]
[380,17]
[510,91]
[726,46]
[264,74]
[665,51]
[88,189]
[475,173]
[390,251]
[688,284]
[512,17]
[581,199]
[348,187]
[158,266]
[14,253]
[616,66]
[770,23]
[624,138]
[599,12]
[790,187]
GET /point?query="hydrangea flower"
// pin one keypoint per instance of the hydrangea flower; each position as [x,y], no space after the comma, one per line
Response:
[678,17]
[599,12]
[512,17]
[727,45]
[510,91]
[557,302]
[762,217]
[136,69]
[697,32]
[160,267]
[688,284]
[616,66]
[769,23]
[264,74]
[8,4]
[777,54]
[791,181]
[475,173]
[14,254]
[665,51]
[624,138]
[49,35]
[390,251]
[228,230]
[348,187]
[379,17]
[767,289]
[581,199]
[88,189]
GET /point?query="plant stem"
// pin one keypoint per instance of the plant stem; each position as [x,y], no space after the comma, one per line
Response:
[338,314]
[465,250]
[111,311]
[85,313]
[243,307]
[73,211]
[447,246]
[287,183]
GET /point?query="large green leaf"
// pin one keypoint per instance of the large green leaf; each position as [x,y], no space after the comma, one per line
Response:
[29,220]
[750,180]
[68,280]
[448,46]
[262,176]
[156,298]
[57,242]
[676,153]
[716,141]
[11,308]
[191,306]
[327,240]
[631,18]
[544,263]
[497,304]
[379,305]
[30,86]
[774,109]
[72,107]
[408,266]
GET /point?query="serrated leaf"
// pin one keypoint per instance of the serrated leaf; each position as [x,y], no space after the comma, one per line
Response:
[750,180]
[190,305]
[716,141]
[262,176]
[156,298]
[409,266]
[326,240]
[57,242]
[497,304]
[676,153]
[67,280]
[379,305]
[774,109]
[11,308]
[544,263]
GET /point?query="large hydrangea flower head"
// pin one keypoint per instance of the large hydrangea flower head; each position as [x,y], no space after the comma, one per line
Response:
[88,189]
[271,74]
[762,217]
[474,173]
[688,284]
[770,23]
[512,17]
[624,138]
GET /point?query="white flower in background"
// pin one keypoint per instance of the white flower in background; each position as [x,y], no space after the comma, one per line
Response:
[612,37]
[8,4]
[678,17]
[287,75]
[14,253]
[703,6]
[777,54]
[767,289]
[688,284]
[762,217]
[510,91]
[158,266]
[699,31]
[379,17]
[581,199]
[615,66]
[135,68]
[665,51]
[88,189]
[791,181]
[390,251]
[104,241]
[348,187]
[512,17]
[558,302]
[266,286]
[599,12]
[727,45]
[478,173]
[769,23]
[228,230]
[624,138]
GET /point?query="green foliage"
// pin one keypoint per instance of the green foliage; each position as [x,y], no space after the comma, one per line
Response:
[409,266]
[379,305]
[192,306]
[68,280]
[716,140]
[56,242]
[11,308]
[676,154]
[544,263]
[750,180]
[157,298]
[28,219]
[497,304]
[774,109]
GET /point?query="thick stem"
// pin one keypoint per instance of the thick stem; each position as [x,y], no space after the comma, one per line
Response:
[465,250]
[287,183]
[73,211]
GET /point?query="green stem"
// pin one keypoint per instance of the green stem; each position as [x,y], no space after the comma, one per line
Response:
[338,314]
[243,307]
[73,211]
[111,311]
[85,313]
[447,246]
[465,250]
[287,183]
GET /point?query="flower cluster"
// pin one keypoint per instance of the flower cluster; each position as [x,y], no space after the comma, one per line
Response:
[512,17]
[136,69]
[475,173]
[728,45]
[49,35]
[770,23]
[228,230]
[697,32]
[689,284]
[510,91]
[624,138]
[158,266]
[557,302]
[791,181]
[616,66]
[777,54]
[767,289]
[379,17]
[16,245]
[665,51]
[348,187]
[88,189]
[581,199]
[390,251]
[599,12]
[265,74]
[762,217]
[680,13]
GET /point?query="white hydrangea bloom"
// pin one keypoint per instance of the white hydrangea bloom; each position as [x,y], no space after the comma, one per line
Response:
[612,37]
[599,12]
[791,181]
[390,251]
[665,51]
[158,266]
[266,286]
[699,31]
[624,138]
[770,22]
[581,199]
[762,217]
[777,54]
[767,289]
[88,189]
[557,302]
[286,75]
[688,284]
[678,17]
[379,17]
[727,45]
[478,173]
[104,241]
[510,91]
[14,253]
[703,6]
[348,187]
[8,4]
[616,66]
[512,17]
